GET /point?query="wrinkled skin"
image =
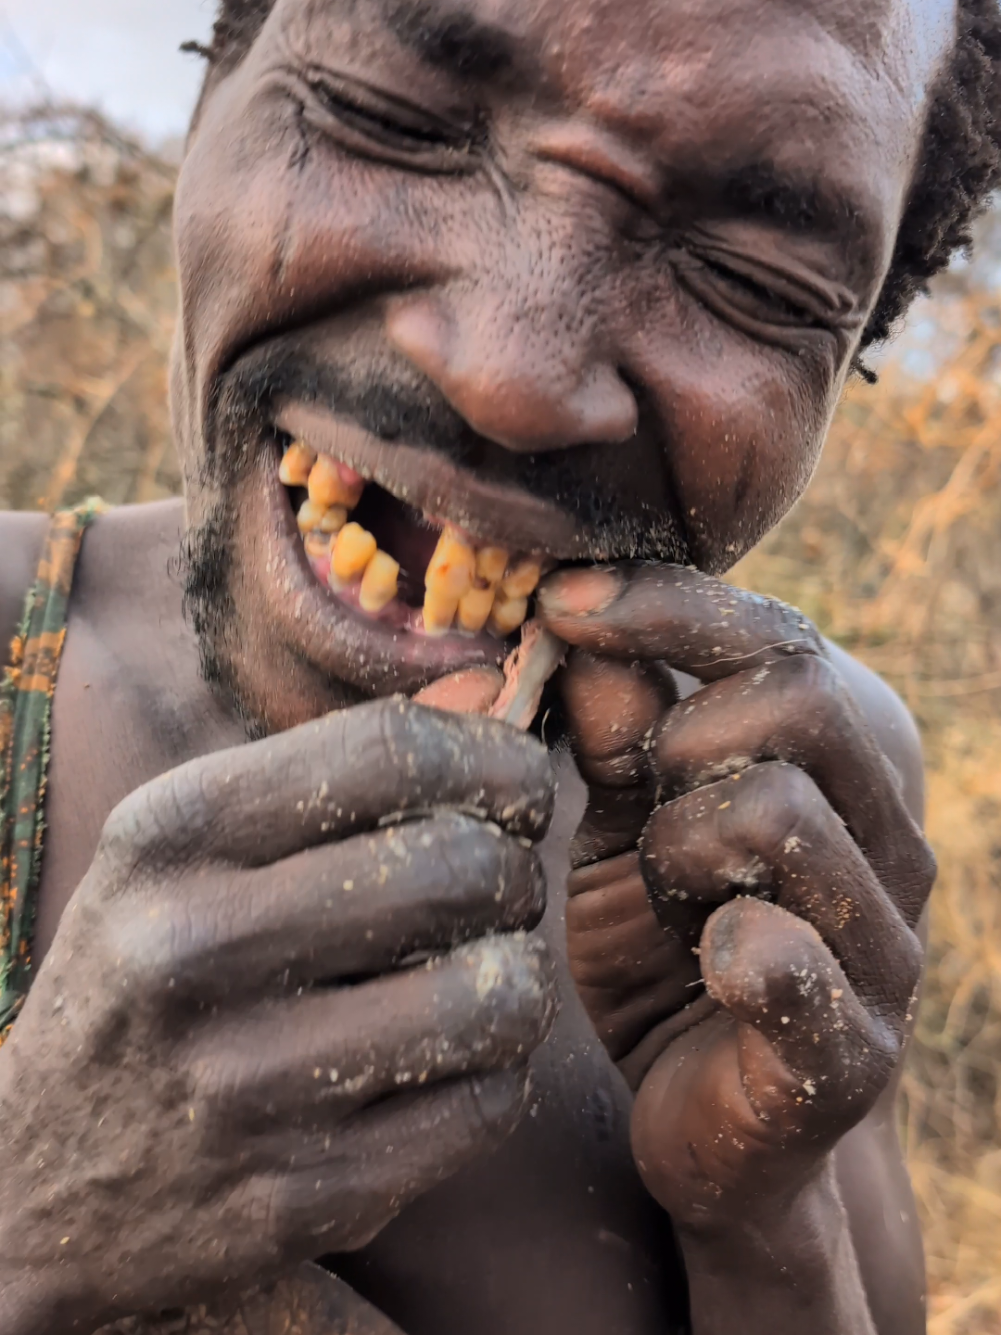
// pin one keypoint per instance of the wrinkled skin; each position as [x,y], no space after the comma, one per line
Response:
[786,876]
[585,278]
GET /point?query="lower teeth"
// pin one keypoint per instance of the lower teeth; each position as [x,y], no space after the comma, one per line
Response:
[464,587]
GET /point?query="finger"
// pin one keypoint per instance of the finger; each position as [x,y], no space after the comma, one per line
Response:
[353,909]
[313,1060]
[332,777]
[810,1049]
[693,622]
[770,832]
[341,1190]
[611,708]
[471,691]
[613,821]
[629,972]
[799,710]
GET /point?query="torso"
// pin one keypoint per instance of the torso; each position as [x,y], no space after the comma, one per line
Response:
[555,1234]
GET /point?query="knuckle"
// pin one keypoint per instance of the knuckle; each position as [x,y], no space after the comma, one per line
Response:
[148,827]
[495,1103]
[521,883]
[773,803]
[511,992]
[483,866]
[922,865]
[152,949]
[911,962]
[814,704]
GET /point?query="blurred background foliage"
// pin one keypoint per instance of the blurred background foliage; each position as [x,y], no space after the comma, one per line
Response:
[895,552]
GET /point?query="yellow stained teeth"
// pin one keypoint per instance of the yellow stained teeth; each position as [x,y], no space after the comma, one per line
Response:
[298,459]
[353,550]
[379,582]
[327,486]
[333,519]
[313,518]
[491,562]
[465,588]
[474,608]
[520,581]
[310,516]
[452,568]
[507,614]
[439,611]
[317,545]
[473,588]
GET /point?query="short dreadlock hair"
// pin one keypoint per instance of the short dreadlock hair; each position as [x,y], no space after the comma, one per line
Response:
[958,169]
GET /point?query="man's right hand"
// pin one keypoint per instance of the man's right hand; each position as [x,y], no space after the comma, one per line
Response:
[229,1062]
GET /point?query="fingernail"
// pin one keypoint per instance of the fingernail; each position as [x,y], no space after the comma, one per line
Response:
[579,593]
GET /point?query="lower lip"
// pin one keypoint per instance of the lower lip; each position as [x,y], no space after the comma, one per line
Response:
[373,653]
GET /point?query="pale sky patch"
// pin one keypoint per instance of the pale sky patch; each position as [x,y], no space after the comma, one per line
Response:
[119,55]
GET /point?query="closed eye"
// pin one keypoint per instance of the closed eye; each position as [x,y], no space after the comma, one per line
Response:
[762,300]
[376,124]
[755,299]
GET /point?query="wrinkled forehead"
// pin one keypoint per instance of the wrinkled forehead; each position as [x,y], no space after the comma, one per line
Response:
[828,90]
[627,41]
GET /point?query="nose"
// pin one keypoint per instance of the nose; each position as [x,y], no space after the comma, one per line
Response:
[530,384]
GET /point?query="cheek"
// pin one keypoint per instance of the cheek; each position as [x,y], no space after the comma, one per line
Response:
[743,425]
[269,234]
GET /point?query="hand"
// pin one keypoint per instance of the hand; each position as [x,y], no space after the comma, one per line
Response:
[763,1009]
[230,1060]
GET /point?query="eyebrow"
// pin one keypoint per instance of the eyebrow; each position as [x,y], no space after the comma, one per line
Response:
[797,202]
[762,189]
[459,43]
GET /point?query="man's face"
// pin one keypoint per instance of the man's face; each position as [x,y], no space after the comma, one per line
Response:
[581,277]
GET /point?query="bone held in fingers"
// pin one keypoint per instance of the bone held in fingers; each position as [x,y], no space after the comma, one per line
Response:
[515,698]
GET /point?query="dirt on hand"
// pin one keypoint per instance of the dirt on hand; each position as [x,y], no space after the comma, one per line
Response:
[895,552]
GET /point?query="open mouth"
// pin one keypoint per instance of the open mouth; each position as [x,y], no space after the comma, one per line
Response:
[392,563]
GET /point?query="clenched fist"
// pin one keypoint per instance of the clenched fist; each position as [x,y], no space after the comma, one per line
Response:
[293,992]
[759,1007]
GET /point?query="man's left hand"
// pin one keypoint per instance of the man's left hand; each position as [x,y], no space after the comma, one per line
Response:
[761,1008]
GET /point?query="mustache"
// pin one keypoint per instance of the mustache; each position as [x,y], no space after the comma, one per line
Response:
[388,398]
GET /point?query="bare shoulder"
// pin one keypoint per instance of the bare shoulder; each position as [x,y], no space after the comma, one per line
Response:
[891,722]
[21,539]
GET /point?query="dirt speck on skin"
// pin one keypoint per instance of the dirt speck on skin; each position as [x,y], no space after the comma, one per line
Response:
[894,551]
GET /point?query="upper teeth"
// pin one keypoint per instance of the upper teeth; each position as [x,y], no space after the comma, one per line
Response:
[463,584]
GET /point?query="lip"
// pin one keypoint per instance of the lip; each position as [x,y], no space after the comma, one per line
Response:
[343,645]
[489,512]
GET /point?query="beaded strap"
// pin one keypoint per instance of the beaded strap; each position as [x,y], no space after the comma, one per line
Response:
[25,719]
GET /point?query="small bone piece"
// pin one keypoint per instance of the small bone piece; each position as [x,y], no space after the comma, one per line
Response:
[296,462]
[353,550]
[379,583]
[526,671]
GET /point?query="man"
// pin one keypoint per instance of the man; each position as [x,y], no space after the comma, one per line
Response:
[576,281]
